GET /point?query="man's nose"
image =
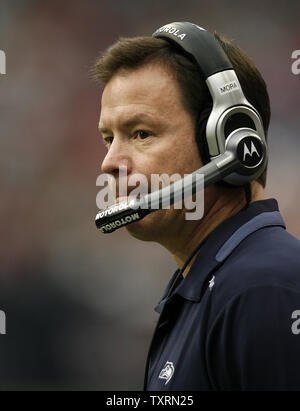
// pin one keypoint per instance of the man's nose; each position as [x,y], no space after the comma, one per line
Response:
[116,160]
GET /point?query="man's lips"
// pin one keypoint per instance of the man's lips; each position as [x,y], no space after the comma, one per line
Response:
[121,199]
[129,197]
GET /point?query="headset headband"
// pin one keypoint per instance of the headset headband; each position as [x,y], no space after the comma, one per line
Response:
[230,105]
[199,43]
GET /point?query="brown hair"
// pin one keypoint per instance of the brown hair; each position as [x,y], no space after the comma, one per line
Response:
[132,53]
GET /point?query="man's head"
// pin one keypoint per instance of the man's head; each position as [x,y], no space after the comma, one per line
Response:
[148,76]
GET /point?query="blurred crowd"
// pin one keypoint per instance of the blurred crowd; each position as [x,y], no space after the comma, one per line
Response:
[79,304]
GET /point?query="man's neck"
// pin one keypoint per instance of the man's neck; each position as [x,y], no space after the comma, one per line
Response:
[225,204]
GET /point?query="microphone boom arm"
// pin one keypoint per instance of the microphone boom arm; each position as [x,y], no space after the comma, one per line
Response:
[130,211]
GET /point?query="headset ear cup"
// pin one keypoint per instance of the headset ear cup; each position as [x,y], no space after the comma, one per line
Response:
[202,140]
[201,133]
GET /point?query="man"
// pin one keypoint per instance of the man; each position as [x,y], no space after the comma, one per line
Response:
[229,316]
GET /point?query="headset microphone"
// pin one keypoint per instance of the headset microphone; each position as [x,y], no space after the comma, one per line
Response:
[234,134]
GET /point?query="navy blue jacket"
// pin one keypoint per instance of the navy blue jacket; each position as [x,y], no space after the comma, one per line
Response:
[233,323]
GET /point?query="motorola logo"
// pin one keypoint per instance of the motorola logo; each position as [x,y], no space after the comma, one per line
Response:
[250,152]
[118,223]
[172,30]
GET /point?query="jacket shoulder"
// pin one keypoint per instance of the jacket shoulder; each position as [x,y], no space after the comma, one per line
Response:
[268,257]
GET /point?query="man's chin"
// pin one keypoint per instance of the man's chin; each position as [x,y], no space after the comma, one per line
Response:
[149,228]
[139,231]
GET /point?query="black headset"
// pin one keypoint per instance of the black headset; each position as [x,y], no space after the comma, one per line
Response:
[233,141]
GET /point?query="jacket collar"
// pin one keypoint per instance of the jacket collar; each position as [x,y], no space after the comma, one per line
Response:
[220,243]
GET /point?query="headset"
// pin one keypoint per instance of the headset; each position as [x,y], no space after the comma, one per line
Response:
[233,137]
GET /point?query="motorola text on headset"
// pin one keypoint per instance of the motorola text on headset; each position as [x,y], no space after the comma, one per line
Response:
[234,134]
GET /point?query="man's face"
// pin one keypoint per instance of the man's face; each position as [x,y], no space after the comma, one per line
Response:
[146,129]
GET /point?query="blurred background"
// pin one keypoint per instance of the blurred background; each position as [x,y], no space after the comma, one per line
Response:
[79,304]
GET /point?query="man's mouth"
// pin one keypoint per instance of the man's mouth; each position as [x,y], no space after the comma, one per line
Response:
[129,197]
[121,199]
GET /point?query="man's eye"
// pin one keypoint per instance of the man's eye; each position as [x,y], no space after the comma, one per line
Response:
[108,141]
[141,134]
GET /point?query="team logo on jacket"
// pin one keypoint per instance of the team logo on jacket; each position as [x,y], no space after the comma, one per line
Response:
[211,283]
[167,372]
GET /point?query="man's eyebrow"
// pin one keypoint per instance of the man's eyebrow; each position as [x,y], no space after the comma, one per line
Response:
[133,120]
[103,130]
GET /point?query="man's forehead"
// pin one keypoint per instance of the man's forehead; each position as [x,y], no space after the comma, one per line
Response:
[150,89]
[149,82]
[126,116]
